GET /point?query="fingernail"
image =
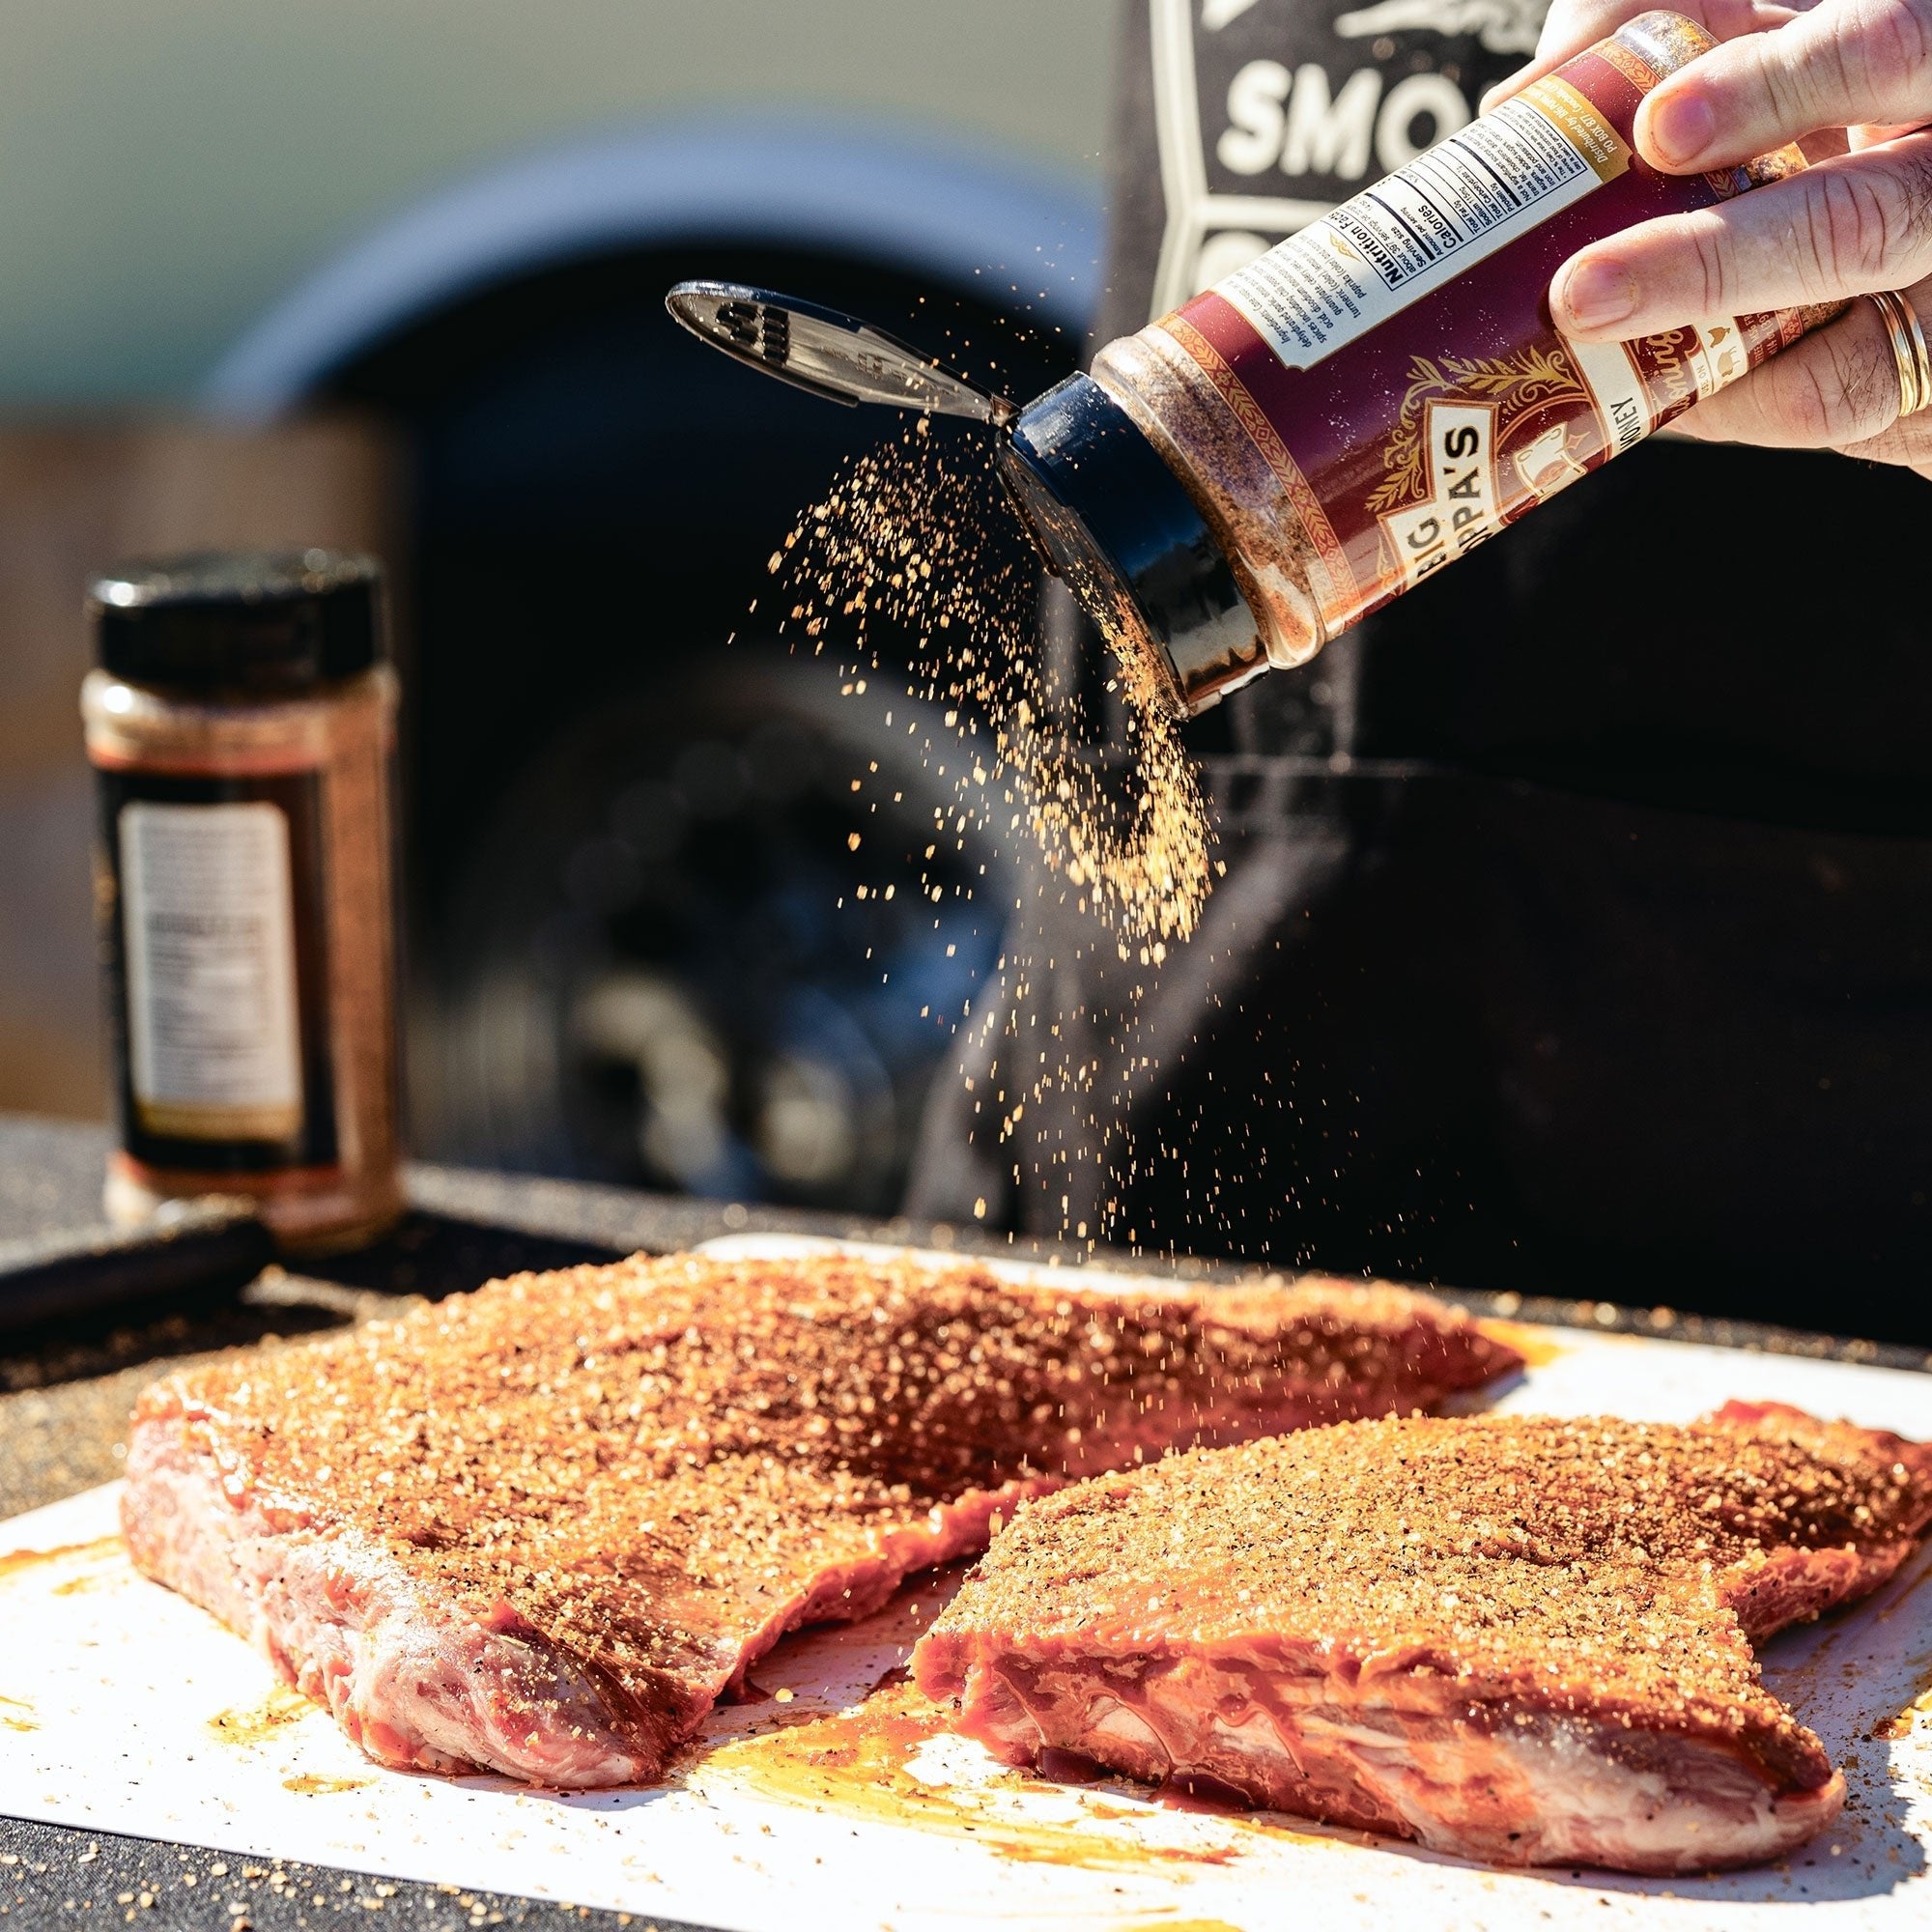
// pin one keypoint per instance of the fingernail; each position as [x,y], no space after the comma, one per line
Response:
[1682,124]
[1594,295]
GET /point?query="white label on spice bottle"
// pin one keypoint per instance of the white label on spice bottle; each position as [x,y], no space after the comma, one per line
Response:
[1721,355]
[1463,504]
[1466,197]
[1617,389]
[215,1049]
[1635,384]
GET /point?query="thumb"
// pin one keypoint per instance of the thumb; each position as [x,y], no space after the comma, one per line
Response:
[1846,63]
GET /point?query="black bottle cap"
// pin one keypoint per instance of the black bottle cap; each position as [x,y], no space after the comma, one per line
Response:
[1113,520]
[250,623]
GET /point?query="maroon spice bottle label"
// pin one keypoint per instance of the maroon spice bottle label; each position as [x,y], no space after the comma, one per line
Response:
[1395,364]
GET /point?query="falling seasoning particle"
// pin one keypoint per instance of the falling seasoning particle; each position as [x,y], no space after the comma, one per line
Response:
[1123,841]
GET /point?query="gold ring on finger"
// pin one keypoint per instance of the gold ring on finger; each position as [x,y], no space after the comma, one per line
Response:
[1909,352]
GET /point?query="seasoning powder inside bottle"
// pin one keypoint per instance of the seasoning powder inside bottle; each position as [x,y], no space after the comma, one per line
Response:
[241,726]
[1377,394]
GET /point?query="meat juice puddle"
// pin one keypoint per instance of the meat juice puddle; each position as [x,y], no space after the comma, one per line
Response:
[832,1722]
[102,1549]
[867,1763]
[273,1713]
[903,538]
[99,1560]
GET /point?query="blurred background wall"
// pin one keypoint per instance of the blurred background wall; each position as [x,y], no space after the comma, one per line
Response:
[388,275]
[168,168]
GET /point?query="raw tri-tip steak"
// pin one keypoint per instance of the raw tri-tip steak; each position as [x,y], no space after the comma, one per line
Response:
[1524,1641]
[542,1529]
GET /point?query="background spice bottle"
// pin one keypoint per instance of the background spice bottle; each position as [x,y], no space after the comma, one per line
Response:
[242,726]
[1312,436]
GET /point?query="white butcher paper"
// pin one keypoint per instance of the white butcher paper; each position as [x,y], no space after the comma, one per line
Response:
[110,1688]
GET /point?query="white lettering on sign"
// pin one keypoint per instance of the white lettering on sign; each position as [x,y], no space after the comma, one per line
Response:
[1463,505]
[1251,142]
[1196,210]
[1302,125]
[1330,135]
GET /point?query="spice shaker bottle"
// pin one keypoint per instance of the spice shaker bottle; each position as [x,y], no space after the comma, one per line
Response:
[1373,397]
[242,726]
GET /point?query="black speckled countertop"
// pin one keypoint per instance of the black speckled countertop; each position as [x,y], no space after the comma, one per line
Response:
[65,1391]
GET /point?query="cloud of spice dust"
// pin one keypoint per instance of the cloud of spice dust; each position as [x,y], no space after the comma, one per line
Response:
[1102,799]
[902,538]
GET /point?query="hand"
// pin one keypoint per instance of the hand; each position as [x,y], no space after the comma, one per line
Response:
[1851,82]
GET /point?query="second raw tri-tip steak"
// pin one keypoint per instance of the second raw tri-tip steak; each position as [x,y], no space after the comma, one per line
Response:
[542,1529]
[1523,1639]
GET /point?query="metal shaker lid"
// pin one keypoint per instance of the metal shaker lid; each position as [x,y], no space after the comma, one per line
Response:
[261,623]
[1117,525]
[1096,496]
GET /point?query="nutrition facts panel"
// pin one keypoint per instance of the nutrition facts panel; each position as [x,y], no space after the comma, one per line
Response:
[1464,198]
[1460,191]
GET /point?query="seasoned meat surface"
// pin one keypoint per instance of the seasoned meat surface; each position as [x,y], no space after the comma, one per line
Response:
[1523,1639]
[543,1527]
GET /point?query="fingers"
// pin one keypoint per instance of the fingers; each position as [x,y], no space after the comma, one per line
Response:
[1847,63]
[1568,28]
[1907,443]
[1851,225]
[1571,25]
[1836,389]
